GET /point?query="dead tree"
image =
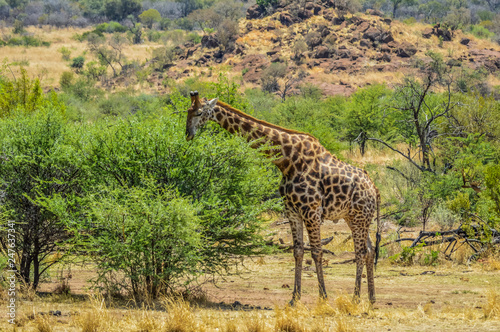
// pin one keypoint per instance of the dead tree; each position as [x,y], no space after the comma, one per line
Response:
[479,237]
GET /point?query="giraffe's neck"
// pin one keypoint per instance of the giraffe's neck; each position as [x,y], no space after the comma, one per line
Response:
[278,140]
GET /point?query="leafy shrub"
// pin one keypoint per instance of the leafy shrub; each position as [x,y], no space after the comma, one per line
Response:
[164,57]
[151,236]
[66,80]
[23,95]
[227,32]
[184,24]
[431,258]
[18,27]
[27,41]
[480,31]
[194,37]
[65,52]
[410,21]
[153,36]
[77,63]
[110,27]
[266,3]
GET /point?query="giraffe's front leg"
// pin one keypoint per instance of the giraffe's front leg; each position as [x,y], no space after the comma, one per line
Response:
[298,252]
[317,255]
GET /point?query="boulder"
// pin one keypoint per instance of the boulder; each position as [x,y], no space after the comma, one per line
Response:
[442,32]
[324,31]
[465,41]
[427,33]
[254,12]
[190,51]
[375,12]
[239,50]
[393,44]
[386,57]
[342,64]
[406,50]
[328,14]
[286,19]
[454,63]
[372,34]
[363,27]
[273,51]
[378,35]
[385,37]
[317,9]
[314,41]
[304,14]
[344,54]
[338,20]
[365,43]
[254,64]
[210,41]
[323,52]
[385,49]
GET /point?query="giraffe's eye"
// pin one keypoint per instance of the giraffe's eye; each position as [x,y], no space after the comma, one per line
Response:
[198,114]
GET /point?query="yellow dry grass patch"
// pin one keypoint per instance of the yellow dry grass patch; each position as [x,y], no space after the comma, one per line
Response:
[374,155]
[47,64]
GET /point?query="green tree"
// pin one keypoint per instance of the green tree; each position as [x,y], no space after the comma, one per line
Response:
[397,3]
[363,115]
[150,17]
[118,10]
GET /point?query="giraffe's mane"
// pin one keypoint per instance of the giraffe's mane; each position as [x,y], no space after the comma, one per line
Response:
[262,122]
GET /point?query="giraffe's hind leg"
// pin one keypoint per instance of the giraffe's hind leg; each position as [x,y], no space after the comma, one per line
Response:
[297,228]
[359,235]
[370,258]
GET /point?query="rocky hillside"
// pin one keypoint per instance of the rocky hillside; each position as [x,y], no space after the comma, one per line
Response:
[331,49]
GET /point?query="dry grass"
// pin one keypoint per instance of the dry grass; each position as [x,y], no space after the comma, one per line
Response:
[289,319]
[374,155]
[47,64]
[97,319]
[492,308]
[43,324]
[181,316]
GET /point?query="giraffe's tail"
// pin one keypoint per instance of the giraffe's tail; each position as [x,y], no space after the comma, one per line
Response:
[377,242]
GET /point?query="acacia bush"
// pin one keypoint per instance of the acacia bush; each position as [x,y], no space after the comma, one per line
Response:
[146,240]
[38,162]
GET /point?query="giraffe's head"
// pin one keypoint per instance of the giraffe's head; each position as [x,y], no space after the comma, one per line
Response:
[198,114]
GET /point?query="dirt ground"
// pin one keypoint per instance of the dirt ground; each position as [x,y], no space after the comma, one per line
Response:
[447,296]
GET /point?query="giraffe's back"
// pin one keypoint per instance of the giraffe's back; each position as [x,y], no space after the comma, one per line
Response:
[347,191]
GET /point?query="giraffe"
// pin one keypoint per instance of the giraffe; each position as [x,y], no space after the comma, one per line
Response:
[315,186]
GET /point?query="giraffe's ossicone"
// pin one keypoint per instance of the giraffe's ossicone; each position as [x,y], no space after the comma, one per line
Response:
[315,186]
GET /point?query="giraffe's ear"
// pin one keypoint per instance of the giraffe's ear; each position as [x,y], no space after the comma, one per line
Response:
[213,102]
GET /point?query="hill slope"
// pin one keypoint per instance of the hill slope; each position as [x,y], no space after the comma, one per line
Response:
[337,53]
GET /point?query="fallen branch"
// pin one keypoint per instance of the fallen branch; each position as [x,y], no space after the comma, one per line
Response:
[344,262]
[306,248]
